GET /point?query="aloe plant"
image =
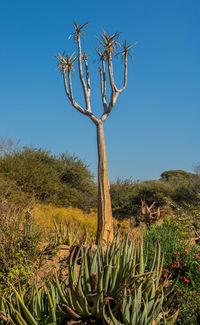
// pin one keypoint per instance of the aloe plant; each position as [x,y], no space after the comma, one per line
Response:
[64,234]
[38,306]
[113,286]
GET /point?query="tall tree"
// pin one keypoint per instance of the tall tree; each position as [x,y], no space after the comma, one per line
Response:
[107,49]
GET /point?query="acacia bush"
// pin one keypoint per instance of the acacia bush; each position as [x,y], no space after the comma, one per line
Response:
[122,198]
[177,176]
[126,196]
[12,194]
[63,180]
[178,187]
[186,186]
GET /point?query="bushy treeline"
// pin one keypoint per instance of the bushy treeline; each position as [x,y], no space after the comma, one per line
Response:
[29,173]
[175,186]
[64,180]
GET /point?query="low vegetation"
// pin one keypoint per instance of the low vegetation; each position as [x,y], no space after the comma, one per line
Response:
[175,188]
[39,175]
[47,203]
[109,287]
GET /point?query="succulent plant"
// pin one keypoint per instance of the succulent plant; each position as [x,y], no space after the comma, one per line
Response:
[32,308]
[112,286]
[64,234]
[109,286]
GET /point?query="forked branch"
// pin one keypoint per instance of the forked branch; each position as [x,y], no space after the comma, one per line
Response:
[69,90]
[102,72]
[85,58]
[110,46]
[86,89]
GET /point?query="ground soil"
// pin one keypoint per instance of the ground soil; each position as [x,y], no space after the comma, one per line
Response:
[55,262]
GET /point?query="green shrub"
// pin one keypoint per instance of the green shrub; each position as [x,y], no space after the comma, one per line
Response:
[126,196]
[169,238]
[63,180]
[121,197]
[179,187]
[185,221]
[177,176]
[12,194]
[188,303]
[186,186]
[19,243]
[186,265]
[182,262]
[151,191]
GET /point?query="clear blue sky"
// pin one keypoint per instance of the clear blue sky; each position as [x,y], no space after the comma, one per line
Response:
[155,125]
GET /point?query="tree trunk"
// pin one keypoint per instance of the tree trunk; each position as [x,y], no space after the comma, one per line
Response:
[105,220]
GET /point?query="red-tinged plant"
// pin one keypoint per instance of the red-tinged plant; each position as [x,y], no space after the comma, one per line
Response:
[169,284]
[187,250]
[176,264]
[186,265]
[176,253]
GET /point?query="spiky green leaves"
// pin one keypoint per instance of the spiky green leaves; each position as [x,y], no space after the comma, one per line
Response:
[66,62]
[109,43]
[38,306]
[78,31]
[112,286]
[85,56]
[127,49]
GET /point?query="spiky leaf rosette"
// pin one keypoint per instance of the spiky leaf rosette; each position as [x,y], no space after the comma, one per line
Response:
[112,285]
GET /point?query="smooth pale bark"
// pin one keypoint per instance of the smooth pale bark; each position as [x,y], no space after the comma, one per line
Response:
[105,220]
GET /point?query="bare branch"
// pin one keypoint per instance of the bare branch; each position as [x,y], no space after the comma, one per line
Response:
[101,80]
[65,84]
[103,85]
[102,58]
[127,49]
[110,107]
[114,90]
[70,87]
[85,58]
[125,74]
[69,92]
[86,94]
[110,72]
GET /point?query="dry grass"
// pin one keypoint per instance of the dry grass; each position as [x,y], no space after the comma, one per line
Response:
[46,215]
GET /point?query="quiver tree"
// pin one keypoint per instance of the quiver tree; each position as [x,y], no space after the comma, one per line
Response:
[107,49]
